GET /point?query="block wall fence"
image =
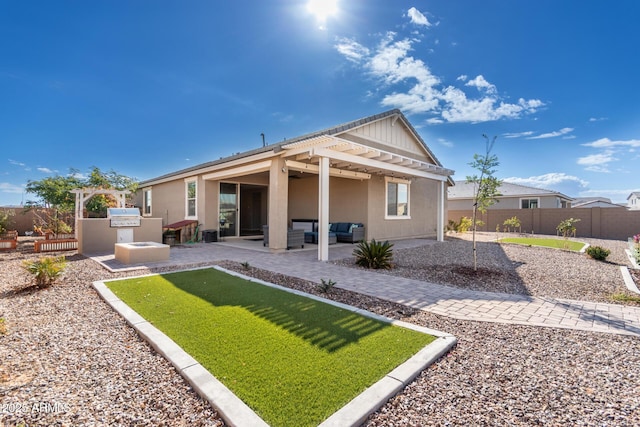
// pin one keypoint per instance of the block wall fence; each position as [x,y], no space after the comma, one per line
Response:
[600,223]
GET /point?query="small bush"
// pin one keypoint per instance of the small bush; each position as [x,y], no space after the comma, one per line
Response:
[460,227]
[375,255]
[245,265]
[46,270]
[325,286]
[598,252]
[512,223]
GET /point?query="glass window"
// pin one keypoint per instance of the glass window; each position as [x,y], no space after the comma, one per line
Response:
[147,202]
[529,203]
[191,199]
[397,199]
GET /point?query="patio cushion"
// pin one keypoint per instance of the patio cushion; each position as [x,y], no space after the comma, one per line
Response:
[343,227]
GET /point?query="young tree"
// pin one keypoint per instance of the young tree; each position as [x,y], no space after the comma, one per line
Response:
[486,187]
[55,192]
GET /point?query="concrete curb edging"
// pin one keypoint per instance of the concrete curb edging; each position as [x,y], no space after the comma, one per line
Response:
[628,280]
[356,412]
[234,411]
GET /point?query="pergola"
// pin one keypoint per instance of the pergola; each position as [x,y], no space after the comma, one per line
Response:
[85,194]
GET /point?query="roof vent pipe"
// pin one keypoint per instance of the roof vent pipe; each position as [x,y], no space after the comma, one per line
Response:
[263,143]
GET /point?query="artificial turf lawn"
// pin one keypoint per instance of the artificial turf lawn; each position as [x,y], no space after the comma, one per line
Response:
[550,243]
[292,359]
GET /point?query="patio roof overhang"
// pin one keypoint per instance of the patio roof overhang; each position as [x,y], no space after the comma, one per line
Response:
[353,160]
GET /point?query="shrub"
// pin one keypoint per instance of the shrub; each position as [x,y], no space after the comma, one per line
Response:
[245,265]
[377,255]
[460,227]
[598,252]
[325,286]
[46,270]
[5,220]
[512,222]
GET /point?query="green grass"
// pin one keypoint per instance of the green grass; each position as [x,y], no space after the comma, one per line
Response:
[292,359]
[549,243]
[626,297]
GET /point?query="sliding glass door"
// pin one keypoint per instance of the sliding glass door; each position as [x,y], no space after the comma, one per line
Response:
[243,209]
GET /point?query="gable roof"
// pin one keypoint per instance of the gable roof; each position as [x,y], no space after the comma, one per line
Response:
[396,114]
[466,190]
[597,204]
[634,193]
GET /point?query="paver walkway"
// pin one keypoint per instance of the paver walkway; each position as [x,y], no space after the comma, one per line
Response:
[443,300]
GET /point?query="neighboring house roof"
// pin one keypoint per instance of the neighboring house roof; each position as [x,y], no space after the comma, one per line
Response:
[582,200]
[597,204]
[634,194]
[335,130]
[466,190]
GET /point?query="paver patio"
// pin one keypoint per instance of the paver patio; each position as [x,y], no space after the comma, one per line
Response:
[438,299]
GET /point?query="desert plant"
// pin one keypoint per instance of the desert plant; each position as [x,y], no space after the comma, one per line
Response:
[245,265]
[512,223]
[326,285]
[5,220]
[597,252]
[377,255]
[462,226]
[46,270]
[3,326]
[567,228]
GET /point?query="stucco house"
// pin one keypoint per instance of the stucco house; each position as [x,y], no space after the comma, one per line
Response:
[512,196]
[633,201]
[376,171]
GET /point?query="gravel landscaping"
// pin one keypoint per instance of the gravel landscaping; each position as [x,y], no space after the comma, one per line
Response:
[65,348]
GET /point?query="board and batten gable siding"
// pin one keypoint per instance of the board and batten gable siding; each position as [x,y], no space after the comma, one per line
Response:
[391,137]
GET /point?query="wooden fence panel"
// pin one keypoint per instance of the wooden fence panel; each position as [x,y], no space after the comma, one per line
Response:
[55,245]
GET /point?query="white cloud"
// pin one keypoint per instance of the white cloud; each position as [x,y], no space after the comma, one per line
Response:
[351,49]
[392,63]
[462,78]
[607,143]
[597,119]
[560,132]
[418,17]
[45,170]
[597,162]
[7,187]
[480,83]
[517,134]
[445,142]
[16,163]
[548,180]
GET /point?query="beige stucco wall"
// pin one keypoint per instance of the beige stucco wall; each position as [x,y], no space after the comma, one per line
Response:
[95,235]
[423,211]
[347,199]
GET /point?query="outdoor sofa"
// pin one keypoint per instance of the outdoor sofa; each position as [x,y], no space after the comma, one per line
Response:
[294,237]
[349,232]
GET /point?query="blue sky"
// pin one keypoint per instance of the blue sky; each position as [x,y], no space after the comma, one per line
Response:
[149,87]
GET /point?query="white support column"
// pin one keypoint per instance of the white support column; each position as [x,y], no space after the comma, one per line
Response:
[440,221]
[323,210]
